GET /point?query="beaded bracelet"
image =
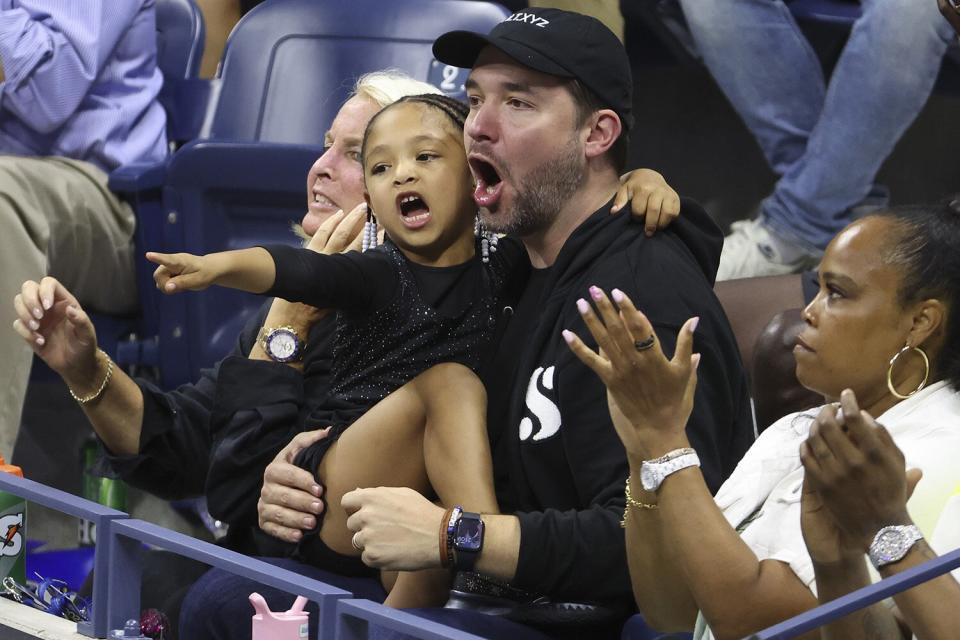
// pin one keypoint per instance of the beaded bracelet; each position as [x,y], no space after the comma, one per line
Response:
[103,385]
[632,502]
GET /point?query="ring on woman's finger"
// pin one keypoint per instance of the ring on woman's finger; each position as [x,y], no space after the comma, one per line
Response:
[646,343]
[355,542]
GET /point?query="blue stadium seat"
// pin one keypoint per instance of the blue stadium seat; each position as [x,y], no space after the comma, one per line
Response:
[180,42]
[180,38]
[287,67]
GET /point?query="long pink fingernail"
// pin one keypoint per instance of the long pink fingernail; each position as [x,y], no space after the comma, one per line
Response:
[694,323]
[617,296]
[582,305]
[568,336]
[596,293]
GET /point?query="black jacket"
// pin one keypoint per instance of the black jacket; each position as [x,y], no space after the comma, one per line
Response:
[565,466]
[186,450]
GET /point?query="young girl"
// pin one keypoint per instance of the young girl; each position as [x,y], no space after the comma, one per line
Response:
[415,315]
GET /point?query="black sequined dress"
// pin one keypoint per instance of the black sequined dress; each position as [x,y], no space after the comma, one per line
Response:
[380,347]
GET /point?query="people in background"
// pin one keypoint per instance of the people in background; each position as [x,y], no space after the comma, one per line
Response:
[824,138]
[78,98]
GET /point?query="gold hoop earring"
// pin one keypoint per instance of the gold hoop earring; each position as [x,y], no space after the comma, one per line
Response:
[926,372]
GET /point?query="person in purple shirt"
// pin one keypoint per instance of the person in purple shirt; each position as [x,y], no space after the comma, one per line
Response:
[78,98]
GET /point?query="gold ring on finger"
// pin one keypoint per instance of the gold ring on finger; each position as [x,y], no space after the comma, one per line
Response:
[646,343]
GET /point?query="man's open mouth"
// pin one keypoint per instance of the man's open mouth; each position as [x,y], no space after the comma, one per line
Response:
[489,184]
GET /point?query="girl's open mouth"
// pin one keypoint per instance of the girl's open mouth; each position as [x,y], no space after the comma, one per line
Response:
[414,212]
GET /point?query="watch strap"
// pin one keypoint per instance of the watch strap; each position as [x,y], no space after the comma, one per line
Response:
[654,472]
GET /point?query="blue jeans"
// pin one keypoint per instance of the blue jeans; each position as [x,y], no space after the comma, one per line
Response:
[826,141]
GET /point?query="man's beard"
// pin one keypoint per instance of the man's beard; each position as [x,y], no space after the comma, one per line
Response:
[542,193]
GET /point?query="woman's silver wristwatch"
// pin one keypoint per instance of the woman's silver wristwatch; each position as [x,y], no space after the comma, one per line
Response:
[892,543]
[654,472]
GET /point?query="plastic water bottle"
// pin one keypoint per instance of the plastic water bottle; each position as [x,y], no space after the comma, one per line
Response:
[110,492]
[13,530]
[282,625]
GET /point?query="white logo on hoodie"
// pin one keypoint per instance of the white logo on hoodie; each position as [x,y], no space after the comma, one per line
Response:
[543,408]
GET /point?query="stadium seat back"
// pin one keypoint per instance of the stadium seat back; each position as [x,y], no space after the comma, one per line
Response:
[180,42]
[289,64]
[180,38]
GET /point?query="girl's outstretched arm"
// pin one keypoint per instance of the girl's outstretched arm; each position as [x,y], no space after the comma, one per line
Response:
[250,270]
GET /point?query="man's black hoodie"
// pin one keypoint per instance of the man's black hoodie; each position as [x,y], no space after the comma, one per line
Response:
[558,460]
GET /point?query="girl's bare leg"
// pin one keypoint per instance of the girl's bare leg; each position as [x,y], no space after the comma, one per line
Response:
[429,435]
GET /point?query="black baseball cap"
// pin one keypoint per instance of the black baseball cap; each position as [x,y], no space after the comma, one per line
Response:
[557,42]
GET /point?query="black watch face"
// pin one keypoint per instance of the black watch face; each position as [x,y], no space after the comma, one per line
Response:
[469,535]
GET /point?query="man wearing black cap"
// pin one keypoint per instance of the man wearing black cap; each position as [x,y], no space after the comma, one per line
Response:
[550,97]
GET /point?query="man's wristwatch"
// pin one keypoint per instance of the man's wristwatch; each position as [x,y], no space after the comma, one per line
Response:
[281,344]
[653,472]
[892,543]
[467,540]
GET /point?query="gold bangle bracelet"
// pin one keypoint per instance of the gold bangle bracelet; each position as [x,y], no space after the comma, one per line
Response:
[632,502]
[103,385]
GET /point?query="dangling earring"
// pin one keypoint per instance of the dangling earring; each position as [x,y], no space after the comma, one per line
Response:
[488,240]
[369,231]
[926,372]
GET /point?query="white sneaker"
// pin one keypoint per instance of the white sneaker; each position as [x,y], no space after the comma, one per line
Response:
[751,250]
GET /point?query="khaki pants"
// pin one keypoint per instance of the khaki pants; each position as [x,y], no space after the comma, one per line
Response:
[606,11]
[57,217]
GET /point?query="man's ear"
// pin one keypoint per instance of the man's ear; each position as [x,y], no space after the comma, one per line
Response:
[605,128]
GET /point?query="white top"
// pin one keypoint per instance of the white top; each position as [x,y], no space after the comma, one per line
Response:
[768,480]
[946,537]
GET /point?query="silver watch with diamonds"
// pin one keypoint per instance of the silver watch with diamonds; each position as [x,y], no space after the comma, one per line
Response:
[892,543]
[281,344]
[653,472]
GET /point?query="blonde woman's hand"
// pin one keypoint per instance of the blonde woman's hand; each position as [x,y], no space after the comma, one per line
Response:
[650,397]
[56,327]
[340,232]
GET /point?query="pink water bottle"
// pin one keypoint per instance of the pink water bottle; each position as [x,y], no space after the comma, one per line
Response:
[283,625]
